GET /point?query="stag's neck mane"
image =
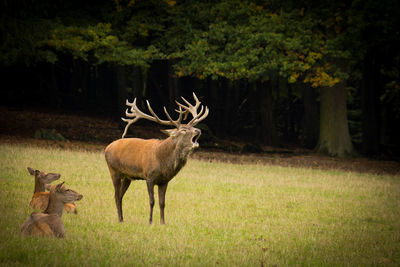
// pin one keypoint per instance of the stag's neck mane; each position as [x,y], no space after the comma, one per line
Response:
[54,205]
[172,155]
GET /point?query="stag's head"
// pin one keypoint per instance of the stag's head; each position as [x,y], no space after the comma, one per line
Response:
[185,135]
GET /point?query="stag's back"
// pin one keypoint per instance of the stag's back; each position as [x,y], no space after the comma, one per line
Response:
[132,156]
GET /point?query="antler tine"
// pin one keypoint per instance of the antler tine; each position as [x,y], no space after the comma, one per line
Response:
[132,105]
[197,117]
[153,113]
[135,113]
[127,126]
[202,117]
[177,122]
[190,106]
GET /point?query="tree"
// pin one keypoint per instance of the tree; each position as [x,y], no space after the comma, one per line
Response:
[334,138]
[257,43]
[253,55]
[375,36]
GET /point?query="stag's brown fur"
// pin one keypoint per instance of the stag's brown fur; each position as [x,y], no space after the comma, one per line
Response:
[141,159]
[49,223]
[155,161]
[40,197]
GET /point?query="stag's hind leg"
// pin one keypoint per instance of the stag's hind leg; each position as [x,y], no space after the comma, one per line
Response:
[125,182]
[124,186]
[119,188]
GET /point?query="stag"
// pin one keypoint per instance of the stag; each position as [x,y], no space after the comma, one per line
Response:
[155,161]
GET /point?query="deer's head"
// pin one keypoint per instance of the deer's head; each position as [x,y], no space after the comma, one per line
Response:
[43,177]
[64,194]
[185,135]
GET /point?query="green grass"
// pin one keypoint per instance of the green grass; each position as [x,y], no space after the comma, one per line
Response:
[216,214]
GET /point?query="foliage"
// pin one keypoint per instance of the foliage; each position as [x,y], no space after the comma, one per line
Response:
[41,38]
[99,45]
[302,42]
[49,134]
[243,40]
[21,41]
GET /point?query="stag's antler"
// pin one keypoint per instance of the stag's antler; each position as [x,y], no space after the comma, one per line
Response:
[197,117]
[136,114]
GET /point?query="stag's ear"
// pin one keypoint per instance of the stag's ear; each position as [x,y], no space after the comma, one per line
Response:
[31,171]
[170,132]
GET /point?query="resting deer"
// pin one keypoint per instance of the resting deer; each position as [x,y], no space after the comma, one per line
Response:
[49,222]
[40,197]
[155,161]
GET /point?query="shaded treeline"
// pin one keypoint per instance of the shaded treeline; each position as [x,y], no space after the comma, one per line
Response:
[318,75]
[237,107]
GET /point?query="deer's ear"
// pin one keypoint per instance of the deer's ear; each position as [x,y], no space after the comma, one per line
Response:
[59,187]
[31,171]
[170,132]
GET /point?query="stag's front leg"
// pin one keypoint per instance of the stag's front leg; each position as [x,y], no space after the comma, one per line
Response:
[150,189]
[162,189]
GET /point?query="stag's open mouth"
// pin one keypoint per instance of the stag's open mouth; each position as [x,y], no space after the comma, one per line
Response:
[195,138]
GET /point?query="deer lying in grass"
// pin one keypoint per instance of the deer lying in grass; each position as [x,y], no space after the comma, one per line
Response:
[155,161]
[49,222]
[40,197]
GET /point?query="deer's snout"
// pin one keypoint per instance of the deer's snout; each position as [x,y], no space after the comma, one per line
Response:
[196,135]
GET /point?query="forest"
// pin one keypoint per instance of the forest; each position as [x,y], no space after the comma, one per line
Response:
[322,75]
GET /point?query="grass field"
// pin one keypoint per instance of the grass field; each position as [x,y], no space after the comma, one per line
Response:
[217,214]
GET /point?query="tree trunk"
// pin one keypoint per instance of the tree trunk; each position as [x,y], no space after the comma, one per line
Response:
[370,105]
[267,132]
[54,85]
[227,108]
[173,85]
[334,137]
[213,103]
[121,85]
[310,118]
